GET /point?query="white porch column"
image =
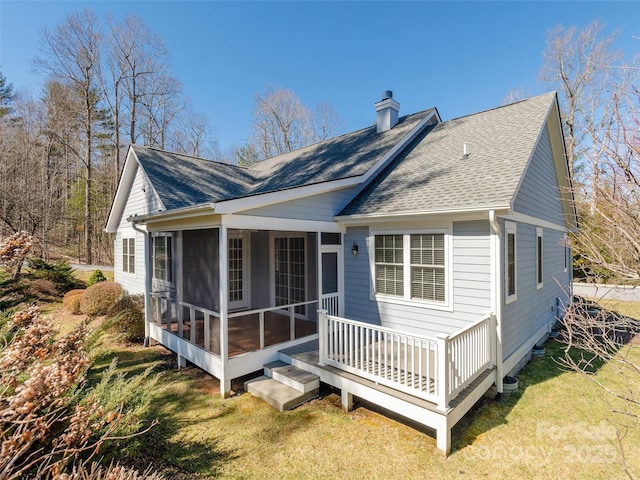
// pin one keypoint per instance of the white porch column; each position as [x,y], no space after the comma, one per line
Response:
[223,275]
[322,336]
[496,296]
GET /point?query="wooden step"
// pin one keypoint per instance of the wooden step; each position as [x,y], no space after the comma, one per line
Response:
[278,394]
[291,376]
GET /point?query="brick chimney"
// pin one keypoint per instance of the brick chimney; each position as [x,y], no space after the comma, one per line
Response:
[387,112]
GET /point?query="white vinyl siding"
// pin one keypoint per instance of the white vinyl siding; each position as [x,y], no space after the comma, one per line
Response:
[141,200]
[468,281]
[129,255]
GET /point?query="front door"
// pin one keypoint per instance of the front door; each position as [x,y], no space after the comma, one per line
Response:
[331,275]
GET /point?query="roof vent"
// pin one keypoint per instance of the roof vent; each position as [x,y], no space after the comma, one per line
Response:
[386,112]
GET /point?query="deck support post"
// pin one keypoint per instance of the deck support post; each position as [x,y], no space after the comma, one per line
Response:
[347,400]
[182,361]
[443,437]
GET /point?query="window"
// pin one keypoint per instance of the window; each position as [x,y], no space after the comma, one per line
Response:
[511,261]
[389,265]
[162,258]
[129,255]
[411,266]
[539,256]
[427,267]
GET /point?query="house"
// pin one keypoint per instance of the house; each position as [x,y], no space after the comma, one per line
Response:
[412,264]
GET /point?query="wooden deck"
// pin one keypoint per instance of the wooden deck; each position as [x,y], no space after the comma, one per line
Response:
[306,356]
[244,331]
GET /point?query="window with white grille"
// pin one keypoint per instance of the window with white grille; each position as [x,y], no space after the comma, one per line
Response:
[129,255]
[389,264]
[428,276]
[412,266]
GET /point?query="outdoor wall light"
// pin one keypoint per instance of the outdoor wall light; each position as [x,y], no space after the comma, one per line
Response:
[354,249]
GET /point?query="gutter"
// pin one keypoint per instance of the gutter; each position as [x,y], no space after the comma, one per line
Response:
[496,297]
[147,277]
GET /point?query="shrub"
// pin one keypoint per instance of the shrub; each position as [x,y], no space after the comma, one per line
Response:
[71,303]
[42,287]
[96,276]
[128,317]
[98,299]
[75,291]
[59,273]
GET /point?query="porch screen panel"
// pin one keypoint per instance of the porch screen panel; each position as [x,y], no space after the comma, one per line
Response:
[389,269]
[428,267]
[236,280]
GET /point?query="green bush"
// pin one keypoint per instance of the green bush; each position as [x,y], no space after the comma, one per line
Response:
[96,276]
[98,299]
[127,317]
[59,273]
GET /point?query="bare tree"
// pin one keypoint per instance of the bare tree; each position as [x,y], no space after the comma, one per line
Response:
[576,62]
[326,122]
[192,137]
[281,122]
[71,55]
[134,54]
[599,97]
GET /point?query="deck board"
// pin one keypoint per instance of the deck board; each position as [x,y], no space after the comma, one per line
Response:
[308,353]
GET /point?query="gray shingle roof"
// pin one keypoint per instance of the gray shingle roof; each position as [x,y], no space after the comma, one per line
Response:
[183,181]
[431,174]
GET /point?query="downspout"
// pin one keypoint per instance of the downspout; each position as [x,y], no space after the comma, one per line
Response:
[147,280]
[496,295]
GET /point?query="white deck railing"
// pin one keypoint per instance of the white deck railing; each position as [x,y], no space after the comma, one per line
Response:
[435,369]
[284,310]
[330,303]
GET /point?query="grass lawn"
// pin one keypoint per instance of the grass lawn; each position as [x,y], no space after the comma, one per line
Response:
[558,425]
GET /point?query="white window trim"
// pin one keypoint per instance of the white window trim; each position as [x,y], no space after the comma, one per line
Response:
[135,246]
[510,228]
[447,305]
[539,257]
[158,282]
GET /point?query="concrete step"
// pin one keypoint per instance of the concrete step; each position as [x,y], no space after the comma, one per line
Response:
[291,376]
[277,394]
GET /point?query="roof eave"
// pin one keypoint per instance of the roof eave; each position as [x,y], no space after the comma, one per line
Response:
[175,214]
[360,218]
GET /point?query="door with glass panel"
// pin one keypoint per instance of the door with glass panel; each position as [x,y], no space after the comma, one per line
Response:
[238,257]
[289,281]
[330,261]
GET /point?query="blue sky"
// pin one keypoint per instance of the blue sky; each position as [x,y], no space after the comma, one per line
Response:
[461,57]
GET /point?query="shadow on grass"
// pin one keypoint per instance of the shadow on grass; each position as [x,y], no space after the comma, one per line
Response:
[489,413]
[164,447]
